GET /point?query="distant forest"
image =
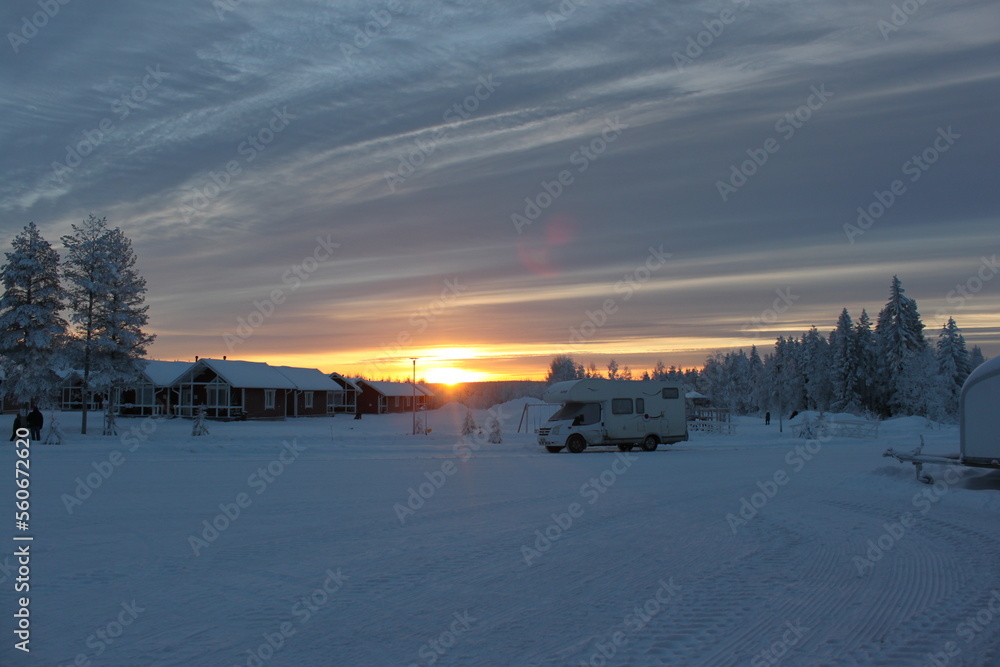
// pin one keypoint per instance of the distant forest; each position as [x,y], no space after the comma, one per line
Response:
[882,371]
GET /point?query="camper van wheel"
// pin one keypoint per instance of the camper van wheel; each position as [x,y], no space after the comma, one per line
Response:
[576,443]
[650,443]
[555,449]
[625,447]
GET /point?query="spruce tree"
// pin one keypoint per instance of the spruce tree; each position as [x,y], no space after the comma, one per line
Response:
[898,336]
[976,358]
[32,332]
[844,365]
[866,371]
[952,363]
[816,367]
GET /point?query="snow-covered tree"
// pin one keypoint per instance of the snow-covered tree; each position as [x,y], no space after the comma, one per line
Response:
[493,433]
[85,270]
[469,424]
[899,334]
[613,370]
[844,366]
[867,361]
[659,371]
[122,316]
[106,296]
[921,389]
[32,332]
[563,368]
[626,374]
[976,358]
[815,366]
[952,363]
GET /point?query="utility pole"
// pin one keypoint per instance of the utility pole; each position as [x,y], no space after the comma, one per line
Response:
[413,399]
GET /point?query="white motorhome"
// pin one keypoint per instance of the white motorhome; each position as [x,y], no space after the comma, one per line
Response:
[610,412]
[979,425]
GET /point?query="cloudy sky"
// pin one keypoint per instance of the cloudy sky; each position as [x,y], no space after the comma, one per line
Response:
[484,184]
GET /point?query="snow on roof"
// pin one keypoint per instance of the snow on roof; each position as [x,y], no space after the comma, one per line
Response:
[308,379]
[164,373]
[248,374]
[694,394]
[397,388]
[351,384]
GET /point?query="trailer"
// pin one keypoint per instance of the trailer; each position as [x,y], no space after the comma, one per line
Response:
[979,426]
[594,412]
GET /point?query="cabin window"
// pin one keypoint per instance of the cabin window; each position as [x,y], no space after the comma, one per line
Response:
[269,398]
[621,406]
[309,400]
[671,392]
[640,405]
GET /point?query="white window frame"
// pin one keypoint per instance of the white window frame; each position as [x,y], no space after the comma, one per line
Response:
[309,400]
[270,396]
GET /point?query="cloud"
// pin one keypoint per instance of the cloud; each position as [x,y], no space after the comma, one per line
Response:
[376,89]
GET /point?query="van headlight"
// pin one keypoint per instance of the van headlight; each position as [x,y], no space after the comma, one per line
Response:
[556,430]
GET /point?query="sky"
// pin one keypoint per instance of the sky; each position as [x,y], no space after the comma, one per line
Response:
[483,185]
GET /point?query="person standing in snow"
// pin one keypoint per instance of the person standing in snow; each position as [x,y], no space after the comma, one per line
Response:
[18,423]
[35,422]
[767,419]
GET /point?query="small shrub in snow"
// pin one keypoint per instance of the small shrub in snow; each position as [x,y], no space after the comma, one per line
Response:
[469,424]
[199,427]
[493,430]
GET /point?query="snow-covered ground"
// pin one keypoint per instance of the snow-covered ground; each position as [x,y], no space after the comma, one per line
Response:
[356,543]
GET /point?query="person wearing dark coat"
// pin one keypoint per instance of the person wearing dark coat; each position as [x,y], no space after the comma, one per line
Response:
[18,423]
[35,422]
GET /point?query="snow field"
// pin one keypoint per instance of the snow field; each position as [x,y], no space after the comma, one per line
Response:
[838,556]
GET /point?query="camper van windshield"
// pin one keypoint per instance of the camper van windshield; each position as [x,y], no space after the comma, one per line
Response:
[581,413]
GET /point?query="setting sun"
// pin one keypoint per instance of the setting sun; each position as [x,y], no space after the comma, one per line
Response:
[448,375]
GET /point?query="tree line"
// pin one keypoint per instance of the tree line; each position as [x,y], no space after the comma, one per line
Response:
[85,311]
[884,370]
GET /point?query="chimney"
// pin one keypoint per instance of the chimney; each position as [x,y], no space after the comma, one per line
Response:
[223,357]
[196,357]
